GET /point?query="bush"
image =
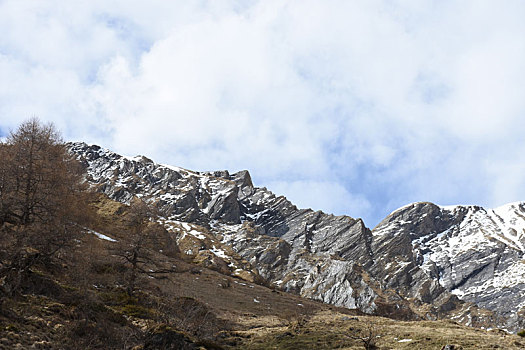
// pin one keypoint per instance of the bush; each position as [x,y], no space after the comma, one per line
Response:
[522,333]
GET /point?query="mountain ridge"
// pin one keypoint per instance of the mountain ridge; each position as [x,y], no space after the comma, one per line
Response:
[399,265]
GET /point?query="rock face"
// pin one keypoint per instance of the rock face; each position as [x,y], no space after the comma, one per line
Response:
[310,253]
[472,252]
[421,261]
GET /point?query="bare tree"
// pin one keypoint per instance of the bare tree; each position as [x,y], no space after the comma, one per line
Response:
[142,234]
[367,336]
[42,204]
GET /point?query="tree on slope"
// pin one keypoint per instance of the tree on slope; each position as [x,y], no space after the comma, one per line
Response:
[144,236]
[42,206]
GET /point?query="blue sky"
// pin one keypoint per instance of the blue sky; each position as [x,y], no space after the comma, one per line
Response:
[351,107]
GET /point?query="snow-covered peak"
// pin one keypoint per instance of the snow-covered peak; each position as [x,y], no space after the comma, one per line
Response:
[505,223]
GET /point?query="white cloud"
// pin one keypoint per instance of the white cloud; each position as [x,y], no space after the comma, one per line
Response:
[345,106]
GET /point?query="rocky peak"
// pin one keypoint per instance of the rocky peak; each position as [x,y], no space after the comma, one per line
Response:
[417,219]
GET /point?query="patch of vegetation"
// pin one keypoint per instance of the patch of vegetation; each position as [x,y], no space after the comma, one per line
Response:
[330,330]
[118,297]
[121,302]
[290,341]
[135,311]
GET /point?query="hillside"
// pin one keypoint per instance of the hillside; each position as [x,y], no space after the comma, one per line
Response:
[79,304]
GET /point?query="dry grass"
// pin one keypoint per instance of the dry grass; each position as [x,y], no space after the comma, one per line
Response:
[329,329]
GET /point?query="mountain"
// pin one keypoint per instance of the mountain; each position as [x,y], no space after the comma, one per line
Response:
[423,261]
[472,252]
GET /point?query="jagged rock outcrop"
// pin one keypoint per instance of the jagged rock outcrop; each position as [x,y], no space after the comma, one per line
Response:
[299,250]
[423,260]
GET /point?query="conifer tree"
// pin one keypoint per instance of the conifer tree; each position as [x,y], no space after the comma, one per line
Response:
[42,204]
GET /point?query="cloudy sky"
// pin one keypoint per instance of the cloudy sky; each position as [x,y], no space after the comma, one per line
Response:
[351,107]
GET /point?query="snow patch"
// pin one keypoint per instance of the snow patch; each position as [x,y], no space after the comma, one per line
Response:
[101,236]
[219,252]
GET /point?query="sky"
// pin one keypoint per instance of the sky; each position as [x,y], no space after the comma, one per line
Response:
[350,107]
